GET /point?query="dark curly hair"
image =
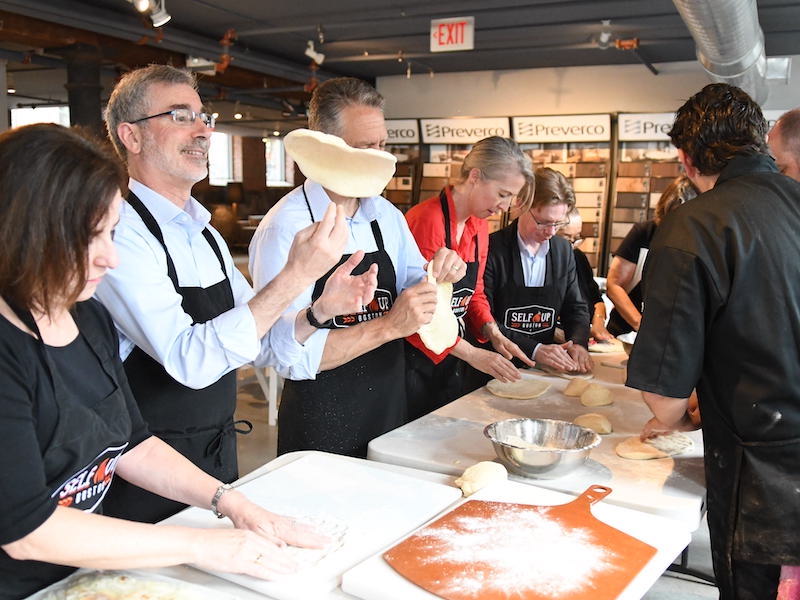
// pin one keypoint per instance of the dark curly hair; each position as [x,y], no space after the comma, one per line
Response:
[716,124]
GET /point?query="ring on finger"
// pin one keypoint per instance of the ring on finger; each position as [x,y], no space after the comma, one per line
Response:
[259,557]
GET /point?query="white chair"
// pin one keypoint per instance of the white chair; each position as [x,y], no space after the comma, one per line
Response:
[268,380]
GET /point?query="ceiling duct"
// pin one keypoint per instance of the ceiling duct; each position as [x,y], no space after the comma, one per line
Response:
[730,42]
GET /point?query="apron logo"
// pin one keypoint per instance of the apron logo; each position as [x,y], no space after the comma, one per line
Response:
[530,320]
[460,301]
[379,306]
[88,486]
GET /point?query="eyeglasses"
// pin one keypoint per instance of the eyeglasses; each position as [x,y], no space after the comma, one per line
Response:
[184,116]
[551,224]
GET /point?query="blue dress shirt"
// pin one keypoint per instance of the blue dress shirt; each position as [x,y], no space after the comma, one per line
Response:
[534,268]
[270,248]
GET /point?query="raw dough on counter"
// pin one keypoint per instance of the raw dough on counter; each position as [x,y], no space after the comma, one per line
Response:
[348,171]
[607,347]
[594,421]
[120,585]
[518,390]
[575,387]
[442,331]
[662,446]
[480,475]
[596,395]
[563,374]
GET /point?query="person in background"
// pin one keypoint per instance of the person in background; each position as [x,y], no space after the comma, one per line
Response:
[345,377]
[784,143]
[187,317]
[590,291]
[68,421]
[625,272]
[492,175]
[722,295]
[531,280]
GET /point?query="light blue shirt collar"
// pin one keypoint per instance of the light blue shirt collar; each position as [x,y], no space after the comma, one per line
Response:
[544,248]
[194,217]
[319,200]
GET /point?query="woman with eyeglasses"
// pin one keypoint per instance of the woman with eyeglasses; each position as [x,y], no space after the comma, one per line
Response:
[493,174]
[625,272]
[531,281]
[68,420]
[590,291]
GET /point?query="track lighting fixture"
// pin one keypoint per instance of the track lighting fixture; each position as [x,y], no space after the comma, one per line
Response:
[311,53]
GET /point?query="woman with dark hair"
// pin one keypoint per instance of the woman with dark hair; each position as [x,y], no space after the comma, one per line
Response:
[625,271]
[492,175]
[68,421]
[531,281]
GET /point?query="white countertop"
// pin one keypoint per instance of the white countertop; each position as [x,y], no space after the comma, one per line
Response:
[451,439]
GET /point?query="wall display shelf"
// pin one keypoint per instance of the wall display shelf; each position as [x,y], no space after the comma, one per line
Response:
[579,147]
[403,142]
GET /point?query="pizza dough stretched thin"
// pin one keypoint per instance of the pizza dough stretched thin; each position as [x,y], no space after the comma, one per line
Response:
[442,331]
[522,389]
[662,446]
[347,171]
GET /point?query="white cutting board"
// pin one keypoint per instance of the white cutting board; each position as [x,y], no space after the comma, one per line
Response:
[374,579]
[378,506]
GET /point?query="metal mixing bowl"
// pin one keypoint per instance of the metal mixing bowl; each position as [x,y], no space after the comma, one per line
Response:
[564,446]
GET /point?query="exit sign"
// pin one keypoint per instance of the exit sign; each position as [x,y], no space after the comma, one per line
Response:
[456,33]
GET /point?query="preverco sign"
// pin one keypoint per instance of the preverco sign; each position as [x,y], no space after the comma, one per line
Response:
[462,131]
[402,131]
[644,126]
[571,128]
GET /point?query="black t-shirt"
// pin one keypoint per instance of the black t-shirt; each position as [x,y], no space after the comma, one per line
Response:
[29,415]
[589,288]
[630,249]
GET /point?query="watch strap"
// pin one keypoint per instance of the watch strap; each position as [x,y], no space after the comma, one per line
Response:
[225,487]
[312,320]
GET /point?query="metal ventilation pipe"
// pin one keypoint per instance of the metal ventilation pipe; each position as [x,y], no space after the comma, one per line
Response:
[730,42]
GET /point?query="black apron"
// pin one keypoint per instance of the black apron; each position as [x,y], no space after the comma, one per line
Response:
[79,459]
[753,507]
[197,423]
[429,385]
[527,315]
[344,408]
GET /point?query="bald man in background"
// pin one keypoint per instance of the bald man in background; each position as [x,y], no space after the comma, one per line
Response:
[784,143]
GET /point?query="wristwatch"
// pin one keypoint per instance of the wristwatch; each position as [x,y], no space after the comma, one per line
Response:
[225,487]
[312,320]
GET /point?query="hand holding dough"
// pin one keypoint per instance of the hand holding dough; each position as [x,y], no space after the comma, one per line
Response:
[596,395]
[442,331]
[594,421]
[662,446]
[347,171]
[480,475]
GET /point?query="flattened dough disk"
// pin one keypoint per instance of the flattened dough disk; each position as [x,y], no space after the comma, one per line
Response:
[662,446]
[596,395]
[518,390]
[442,331]
[347,171]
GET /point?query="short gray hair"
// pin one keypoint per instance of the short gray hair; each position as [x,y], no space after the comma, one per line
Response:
[128,101]
[494,157]
[333,96]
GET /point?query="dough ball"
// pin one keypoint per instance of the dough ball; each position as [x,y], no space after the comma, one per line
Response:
[519,390]
[480,475]
[595,422]
[575,387]
[662,446]
[596,395]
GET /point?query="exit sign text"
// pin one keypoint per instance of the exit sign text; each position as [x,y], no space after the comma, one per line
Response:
[456,33]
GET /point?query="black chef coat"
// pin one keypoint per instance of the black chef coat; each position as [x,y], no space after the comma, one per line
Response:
[722,290]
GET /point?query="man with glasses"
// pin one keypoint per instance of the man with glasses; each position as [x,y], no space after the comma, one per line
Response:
[531,282]
[187,317]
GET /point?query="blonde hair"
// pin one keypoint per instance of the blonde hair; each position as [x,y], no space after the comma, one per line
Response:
[495,156]
[552,188]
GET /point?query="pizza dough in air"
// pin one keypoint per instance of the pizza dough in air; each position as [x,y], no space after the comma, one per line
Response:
[347,171]
[480,475]
[662,446]
[596,395]
[518,390]
[594,421]
[442,331]
[575,387]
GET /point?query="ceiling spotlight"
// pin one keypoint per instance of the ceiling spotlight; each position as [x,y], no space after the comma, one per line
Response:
[604,38]
[141,5]
[408,71]
[264,140]
[311,53]
[159,14]
[320,34]
[215,115]
[276,133]
[10,87]
[237,116]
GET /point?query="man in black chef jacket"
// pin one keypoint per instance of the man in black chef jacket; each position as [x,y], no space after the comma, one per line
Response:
[722,291]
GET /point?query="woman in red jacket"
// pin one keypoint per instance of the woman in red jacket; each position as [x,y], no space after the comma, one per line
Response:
[493,173]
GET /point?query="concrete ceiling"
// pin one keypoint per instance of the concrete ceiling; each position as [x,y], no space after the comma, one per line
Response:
[363,38]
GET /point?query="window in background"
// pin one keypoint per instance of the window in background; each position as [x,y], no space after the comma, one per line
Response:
[43,114]
[280,170]
[220,159]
